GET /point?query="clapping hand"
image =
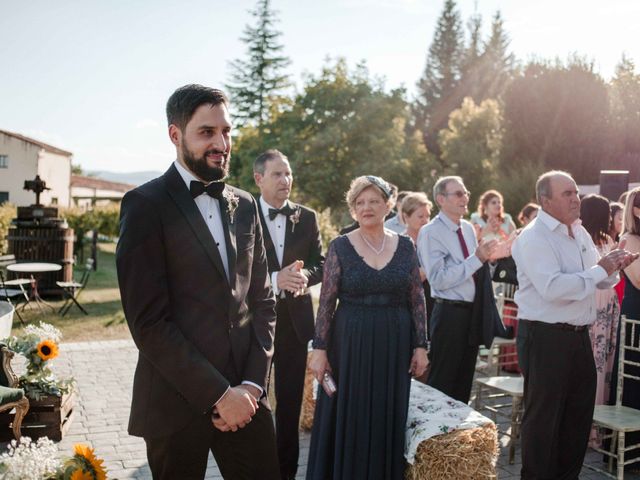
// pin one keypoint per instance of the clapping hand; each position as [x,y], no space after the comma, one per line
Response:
[618,259]
[291,278]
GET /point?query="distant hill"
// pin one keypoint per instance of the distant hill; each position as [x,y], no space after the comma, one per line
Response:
[133,178]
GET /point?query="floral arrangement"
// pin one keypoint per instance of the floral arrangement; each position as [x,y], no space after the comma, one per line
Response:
[39,344]
[37,461]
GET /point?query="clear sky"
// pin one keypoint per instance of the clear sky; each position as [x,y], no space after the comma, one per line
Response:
[93,76]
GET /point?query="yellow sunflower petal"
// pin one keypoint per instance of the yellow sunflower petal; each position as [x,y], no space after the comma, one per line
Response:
[95,462]
[80,475]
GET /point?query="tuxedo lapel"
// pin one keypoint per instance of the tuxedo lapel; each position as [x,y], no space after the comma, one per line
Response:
[268,241]
[181,196]
[230,239]
[291,234]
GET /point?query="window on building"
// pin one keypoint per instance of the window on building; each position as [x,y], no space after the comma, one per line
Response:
[4,197]
[4,161]
[54,200]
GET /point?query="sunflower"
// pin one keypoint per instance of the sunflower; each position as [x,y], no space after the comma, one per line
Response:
[81,475]
[94,463]
[47,349]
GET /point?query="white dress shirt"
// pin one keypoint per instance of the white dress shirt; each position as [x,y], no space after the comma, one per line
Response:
[209,207]
[394,224]
[450,275]
[277,229]
[558,274]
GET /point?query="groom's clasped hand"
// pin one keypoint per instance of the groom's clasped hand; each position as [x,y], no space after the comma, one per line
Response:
[235,409]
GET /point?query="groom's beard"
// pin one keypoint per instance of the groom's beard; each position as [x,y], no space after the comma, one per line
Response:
[201,168]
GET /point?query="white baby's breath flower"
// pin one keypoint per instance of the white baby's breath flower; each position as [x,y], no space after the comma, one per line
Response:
[44,330]
[29,459]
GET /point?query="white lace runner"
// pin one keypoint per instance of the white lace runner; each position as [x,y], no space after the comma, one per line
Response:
[433,413]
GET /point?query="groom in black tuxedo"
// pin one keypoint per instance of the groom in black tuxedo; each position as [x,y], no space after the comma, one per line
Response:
[195,291]
[294,255]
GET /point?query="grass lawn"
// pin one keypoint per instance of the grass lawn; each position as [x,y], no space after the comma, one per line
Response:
[101,298]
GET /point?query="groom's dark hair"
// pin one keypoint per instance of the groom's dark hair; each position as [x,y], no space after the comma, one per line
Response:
[185,100]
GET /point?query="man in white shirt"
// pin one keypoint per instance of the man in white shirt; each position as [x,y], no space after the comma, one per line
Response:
[396,222]
[450,255]
[294,257]
[559,270]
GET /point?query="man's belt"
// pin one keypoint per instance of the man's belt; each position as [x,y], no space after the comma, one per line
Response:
[558,326]
[455,303]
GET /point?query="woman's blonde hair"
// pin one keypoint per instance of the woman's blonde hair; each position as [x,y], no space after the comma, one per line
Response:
[413,201]
[360,184]
[631,222]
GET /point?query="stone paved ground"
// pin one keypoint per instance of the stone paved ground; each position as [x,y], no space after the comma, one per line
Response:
[104,372]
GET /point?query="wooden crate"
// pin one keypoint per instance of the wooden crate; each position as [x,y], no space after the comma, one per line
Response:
[50,417]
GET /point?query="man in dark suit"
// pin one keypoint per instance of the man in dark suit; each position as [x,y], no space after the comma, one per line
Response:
[195,291]
[294,255]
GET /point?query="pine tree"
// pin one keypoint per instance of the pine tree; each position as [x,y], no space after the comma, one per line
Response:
[471,63]
[437,89]
[257,82]
[498,63]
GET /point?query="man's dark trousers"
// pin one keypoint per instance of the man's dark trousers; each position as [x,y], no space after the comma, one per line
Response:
[289,360]
[559,395]
[453,359]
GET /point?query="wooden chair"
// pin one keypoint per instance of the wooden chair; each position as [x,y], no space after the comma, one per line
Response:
[71,290]
[13,291]
[10,396]
[618,418]
[499,388]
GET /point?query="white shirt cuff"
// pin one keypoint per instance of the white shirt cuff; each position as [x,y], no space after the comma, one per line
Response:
[274,283]
[247,382]
[598,273]
[221,397]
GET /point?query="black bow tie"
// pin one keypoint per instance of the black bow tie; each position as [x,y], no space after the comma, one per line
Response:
[286,211]
[214,189]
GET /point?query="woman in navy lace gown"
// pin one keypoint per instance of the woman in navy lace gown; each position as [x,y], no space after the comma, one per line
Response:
[370,344]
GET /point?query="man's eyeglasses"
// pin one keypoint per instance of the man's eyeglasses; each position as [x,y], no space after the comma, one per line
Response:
[458,193]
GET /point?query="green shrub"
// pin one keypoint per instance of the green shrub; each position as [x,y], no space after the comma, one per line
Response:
[8,212]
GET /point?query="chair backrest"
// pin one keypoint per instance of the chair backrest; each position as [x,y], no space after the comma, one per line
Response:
[7,377]
[629,342]
[86,273]
[6,260]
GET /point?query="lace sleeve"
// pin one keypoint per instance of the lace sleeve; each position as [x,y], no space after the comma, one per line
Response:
[328,297]
[417,303]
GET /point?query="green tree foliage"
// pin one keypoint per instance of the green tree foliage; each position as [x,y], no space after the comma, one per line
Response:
[342,124]
[105,219]
[438,89]
[8,212]
[557,116]
[258,81]
[471,144]
[624,93]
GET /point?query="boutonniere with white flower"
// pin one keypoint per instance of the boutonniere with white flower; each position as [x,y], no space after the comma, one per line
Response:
[294,218]
[232,201]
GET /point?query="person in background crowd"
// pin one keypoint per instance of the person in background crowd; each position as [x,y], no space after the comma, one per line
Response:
[294,256]
[559,270]
[616,222]
[397,223]
[490,221]
[416,211]
[615,230]
[352,226]
[450,255]
[370,344]
[595,215]
[528,213]
[631,308]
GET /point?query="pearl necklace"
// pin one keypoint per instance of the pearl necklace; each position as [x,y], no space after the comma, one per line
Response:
[375,250]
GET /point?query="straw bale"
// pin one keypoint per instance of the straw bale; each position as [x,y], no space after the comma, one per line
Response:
[469,454]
